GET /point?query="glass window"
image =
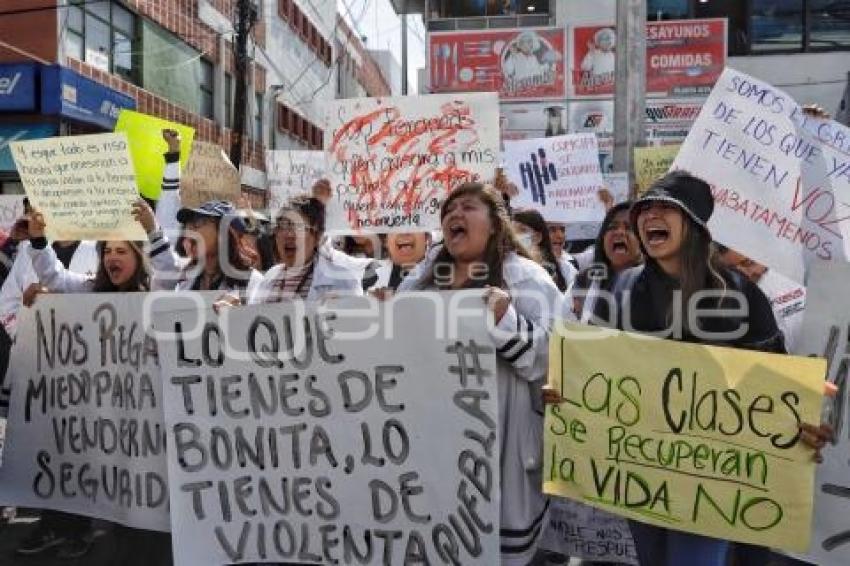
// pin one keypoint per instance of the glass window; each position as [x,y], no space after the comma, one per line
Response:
[74,45]
[207,87]
[776,25]
[122,55]
[667,10]
[99,9]
[122,19]
[98,42]
[258,118]
[75,19]
[228,100]
[829,24]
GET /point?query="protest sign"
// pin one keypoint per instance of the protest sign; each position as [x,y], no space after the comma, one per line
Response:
[517,63]
[85,433]
[393,161]
[652,163]
[558,176]
[84,186]
[683,58]
[618,185]
[781,179]
[576,530]
[324,435]
[144,133]
[826,333]
[11,208]
[209,175]
[292,173]
[694,438]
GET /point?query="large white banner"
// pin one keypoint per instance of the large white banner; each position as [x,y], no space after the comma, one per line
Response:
[393,161]
[781,179]
[332,435]
[558,176]
[292,173]
[826,333]
[85,432]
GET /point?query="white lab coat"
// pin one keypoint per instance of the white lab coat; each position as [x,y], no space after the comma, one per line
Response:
[522,343]
[22,275]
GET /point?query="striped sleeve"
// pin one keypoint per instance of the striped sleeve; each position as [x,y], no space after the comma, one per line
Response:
[164,263]
[169,200]
[520,341]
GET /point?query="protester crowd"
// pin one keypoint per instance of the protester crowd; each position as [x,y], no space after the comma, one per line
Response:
[652,258]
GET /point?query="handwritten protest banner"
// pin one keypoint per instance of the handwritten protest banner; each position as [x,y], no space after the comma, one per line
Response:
[781,179]
[393,161]
[317,435]
[826,333]
[576,530]
[85,432]
[147,147]
[559,176]
[652,163]
[292,173]
[209,175]
[693,438]
[11,208]
[84,186]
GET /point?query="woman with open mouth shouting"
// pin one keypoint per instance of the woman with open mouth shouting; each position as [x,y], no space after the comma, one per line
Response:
[122,268]
[682,292]
[481,251]
[615,250]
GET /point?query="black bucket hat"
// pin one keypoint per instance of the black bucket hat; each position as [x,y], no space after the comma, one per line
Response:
[690,194]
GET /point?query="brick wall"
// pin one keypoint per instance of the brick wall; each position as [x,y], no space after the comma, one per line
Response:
[368,73]
[19,30]
[149,103]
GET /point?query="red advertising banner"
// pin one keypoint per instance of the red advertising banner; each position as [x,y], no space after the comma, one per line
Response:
[518,64]
[683,58]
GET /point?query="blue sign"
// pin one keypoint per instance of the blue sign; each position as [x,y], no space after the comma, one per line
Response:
[18,87]
[72,95]
[20,132]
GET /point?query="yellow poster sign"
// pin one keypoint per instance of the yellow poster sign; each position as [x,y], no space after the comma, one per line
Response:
[652,163]
[209,175]
[147,147]
[84,186]
[688,437]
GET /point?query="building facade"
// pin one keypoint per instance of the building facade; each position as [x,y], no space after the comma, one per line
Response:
[173,60]
[359,72]
[801,46]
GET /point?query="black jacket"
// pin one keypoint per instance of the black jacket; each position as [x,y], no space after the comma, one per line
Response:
[646,291]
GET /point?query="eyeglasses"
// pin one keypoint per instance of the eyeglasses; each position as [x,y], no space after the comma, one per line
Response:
[284,225]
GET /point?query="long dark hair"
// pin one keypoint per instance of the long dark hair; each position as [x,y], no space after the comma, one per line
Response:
[502,242]
[534,220]
[139,282]
[236,274]
[701,268]
[600,258]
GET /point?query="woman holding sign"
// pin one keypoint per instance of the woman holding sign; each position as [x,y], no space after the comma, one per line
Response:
[122,268]
[481,251]
[682,292]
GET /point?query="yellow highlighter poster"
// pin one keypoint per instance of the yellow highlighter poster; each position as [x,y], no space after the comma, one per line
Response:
[693,438]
